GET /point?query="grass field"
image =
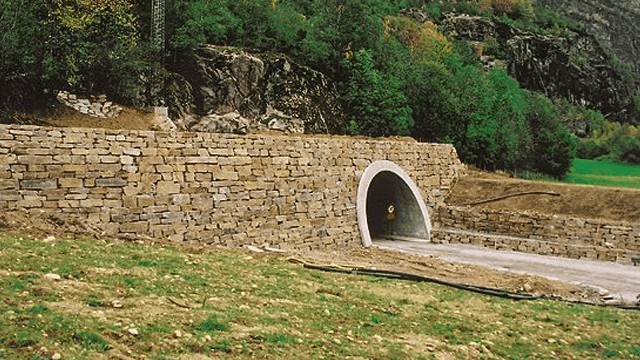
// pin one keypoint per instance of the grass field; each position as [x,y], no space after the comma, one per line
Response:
[602,173]
[87,299]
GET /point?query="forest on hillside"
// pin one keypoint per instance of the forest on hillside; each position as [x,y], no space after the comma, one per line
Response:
[396,76]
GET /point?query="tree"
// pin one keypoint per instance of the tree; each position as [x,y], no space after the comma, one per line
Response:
[22,52]
[90,39]
[425,41]
[553,147]
[207,21]
[444,101]
[498,137]
[374,100]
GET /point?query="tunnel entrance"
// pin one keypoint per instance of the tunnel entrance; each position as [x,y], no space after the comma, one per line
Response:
[389,205]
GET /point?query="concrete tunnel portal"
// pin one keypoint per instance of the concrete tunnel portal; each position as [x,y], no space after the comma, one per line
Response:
[389,205]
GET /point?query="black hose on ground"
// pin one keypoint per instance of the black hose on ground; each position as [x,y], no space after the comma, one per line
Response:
[472,288]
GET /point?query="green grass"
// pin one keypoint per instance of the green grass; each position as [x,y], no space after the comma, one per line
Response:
[603,173]
[229,304]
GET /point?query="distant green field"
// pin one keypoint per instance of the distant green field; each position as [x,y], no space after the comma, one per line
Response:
[603,173]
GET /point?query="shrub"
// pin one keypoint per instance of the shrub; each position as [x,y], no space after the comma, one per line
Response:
[589,149]
[554,147]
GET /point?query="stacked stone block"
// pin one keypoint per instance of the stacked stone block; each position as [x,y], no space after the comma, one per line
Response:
[97,106]
[559,235]
[288,192]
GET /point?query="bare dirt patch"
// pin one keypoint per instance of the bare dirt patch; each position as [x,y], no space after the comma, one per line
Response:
[575,200]
[436,268]
[58,115]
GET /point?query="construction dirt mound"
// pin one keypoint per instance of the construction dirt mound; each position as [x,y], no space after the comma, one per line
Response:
[582,201]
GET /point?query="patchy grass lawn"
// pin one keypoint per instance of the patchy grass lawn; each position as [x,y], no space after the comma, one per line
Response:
[142,301]
[603,173]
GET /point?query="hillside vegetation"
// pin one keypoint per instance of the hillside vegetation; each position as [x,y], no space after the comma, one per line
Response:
[396,75]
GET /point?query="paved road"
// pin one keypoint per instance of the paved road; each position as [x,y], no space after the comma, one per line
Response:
[621,281]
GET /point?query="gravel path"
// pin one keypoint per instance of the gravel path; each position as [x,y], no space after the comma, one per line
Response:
[622,282]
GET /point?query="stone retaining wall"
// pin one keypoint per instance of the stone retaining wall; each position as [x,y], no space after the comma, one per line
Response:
[532,232]
[288,192]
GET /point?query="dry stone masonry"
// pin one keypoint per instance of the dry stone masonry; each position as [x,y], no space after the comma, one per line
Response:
[532,232]
[284,191]
[97,106]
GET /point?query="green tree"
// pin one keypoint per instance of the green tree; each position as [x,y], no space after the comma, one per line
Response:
[374,100]
[22,52]
[554,147]
[81,45]
[498,137]
[90,40]
[209,21]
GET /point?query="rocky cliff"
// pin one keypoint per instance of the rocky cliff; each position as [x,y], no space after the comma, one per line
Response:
[574,66]
[220,89]
[616,24]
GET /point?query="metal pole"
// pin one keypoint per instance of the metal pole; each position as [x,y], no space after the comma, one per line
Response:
[158,43]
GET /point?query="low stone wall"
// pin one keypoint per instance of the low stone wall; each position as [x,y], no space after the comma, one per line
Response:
[97,107]
[546,234]
[288,192]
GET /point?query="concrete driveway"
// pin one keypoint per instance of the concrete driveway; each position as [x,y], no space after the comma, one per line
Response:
[622,282]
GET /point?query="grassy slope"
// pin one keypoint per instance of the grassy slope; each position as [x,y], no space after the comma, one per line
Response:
[116,300]
[604,173]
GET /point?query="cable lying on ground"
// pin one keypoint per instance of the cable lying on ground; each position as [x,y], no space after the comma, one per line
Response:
[472,288]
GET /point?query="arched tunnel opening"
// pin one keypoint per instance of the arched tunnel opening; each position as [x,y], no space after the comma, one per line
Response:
[390,205]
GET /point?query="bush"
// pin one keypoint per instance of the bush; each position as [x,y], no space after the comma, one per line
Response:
[624,145]
[554,147]
[589,149]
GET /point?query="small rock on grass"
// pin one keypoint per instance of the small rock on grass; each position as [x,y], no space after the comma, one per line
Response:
[52,277]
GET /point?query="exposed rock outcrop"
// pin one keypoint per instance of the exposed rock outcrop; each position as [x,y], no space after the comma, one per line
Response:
[616,24]
[476,28]
[574,67]
[231,90]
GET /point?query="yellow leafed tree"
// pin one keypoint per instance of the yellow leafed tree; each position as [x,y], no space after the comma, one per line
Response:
[426,42]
